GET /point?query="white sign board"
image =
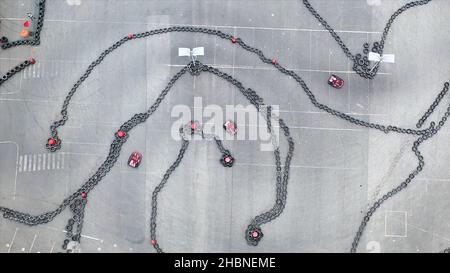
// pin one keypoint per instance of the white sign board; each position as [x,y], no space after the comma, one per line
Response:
[386,58]
[197,51]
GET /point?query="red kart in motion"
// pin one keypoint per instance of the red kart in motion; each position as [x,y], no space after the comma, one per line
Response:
[135,160]
[336,82]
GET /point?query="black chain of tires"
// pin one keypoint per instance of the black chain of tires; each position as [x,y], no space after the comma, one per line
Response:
[75,201]
[282,174]
[433,130]
[433,106]
[36,37]
[361,64]
[36,40]
[16,70]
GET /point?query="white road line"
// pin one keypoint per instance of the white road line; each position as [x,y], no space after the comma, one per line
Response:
[86,143]
[25,163]
[53,161]
[274,69]
[32,243]
[87,237]
[92,238]
[38,68]
[53,247]
[191,25]
[44,156]
[34,162]
[49,161]
[39,161]
[296,166]
[327,129]
[426,179]
[405,213]
[12,240]
[52,69]
[317,112]
[28,164]
[430,232]
[42,69]
[64,231]
[20,163]
[85,154]
[58,159]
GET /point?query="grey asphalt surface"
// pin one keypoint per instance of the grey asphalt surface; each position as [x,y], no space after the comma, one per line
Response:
[337,170]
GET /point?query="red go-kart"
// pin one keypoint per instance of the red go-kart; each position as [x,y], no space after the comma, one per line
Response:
[336,82]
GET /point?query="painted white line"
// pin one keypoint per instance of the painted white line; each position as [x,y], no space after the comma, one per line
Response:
[20,163]
[25,162]
[49,161]
[405,213]
[44,156]
[327,129]
[425,179]
[58,160]
[86,143]
[296,166]
[32,243]
[191,25]
[53,161]
[87,237]
[34,162]
[316,112]
[63,158]
[12,240]
[53,247]
[85,154]
[30,162]
[273,69]
[92,238]
[430,232]
[39,161]
[64,231]
[39,69]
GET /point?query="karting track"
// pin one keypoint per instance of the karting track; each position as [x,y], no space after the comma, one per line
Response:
[335,172]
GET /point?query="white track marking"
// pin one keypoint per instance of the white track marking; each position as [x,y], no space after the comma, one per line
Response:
[25,163]
[405,213]
[20,163]
[271,68]
[34,162]
[43,161]
[53,247]
[32,243]
[191,25]
[53,161]
[58,161]
[12,240]
[40,162]
[49,159]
